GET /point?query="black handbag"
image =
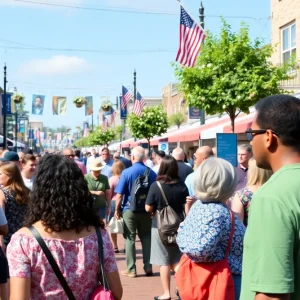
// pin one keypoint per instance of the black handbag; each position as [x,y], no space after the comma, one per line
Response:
[168,222]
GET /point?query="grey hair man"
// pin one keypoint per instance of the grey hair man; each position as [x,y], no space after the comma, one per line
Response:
[139,222]
[244,155]
[183,169]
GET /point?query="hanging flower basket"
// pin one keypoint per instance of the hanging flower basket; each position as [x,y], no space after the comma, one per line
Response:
[79,101]
[106,106]
[18,98]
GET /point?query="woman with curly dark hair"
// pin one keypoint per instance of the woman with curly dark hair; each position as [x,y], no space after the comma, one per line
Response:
[61,210]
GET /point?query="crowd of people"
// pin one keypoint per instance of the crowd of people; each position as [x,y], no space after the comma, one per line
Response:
[247,215]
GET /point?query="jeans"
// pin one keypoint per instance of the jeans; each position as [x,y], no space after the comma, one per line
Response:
[102,212]
[140,223]
[237,285]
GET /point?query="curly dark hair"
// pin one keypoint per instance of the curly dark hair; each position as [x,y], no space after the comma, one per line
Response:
[60,198]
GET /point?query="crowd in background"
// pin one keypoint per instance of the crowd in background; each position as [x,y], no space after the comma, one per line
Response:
[248,214]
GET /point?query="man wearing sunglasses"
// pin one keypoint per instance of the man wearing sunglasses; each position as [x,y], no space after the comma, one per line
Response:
[271,258]
[69,152]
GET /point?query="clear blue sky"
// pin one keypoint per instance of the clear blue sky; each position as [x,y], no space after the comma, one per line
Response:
[70,74]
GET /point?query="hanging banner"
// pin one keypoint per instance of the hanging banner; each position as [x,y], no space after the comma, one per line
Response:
[194,113]
[37,104]
[8,103]
[59,105]
[89,106]
[123,112]
[110,116]
[86,129]
[21,125]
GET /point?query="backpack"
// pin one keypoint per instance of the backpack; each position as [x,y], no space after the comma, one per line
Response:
[139,192]
[168,222]
[207,281]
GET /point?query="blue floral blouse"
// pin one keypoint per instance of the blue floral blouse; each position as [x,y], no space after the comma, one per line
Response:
[205,232]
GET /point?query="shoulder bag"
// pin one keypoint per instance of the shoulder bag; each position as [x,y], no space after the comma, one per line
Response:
[209,281]
[168,222]
[102,292]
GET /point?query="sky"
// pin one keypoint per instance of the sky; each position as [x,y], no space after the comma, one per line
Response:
[35,37]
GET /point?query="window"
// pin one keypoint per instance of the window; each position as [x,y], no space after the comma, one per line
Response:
[288,42]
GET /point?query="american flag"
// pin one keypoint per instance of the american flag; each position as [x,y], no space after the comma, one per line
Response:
[138,105]
[110,116]
[126,96]
[104,122]
[191,37]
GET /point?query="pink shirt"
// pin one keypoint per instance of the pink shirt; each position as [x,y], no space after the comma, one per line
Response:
[78,261]
[113,181]
[81,166]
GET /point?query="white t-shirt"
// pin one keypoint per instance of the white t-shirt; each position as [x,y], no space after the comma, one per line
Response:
[3,220]
[28,182]
[156,168]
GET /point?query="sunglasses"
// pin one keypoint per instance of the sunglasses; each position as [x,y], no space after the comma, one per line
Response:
[69,155]
[253,132]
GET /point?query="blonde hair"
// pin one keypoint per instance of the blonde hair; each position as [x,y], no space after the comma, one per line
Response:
[15,182]
[256,175]
[117,168]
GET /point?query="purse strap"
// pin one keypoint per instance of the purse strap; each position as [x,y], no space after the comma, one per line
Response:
[162,192]
[53,263]
[101,258]
[231,233]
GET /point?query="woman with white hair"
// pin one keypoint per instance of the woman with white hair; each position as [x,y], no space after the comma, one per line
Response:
[206,231]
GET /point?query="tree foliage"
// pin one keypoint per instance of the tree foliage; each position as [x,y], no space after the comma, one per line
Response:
[101,137]
[231,74]
[177,119]
[153,121]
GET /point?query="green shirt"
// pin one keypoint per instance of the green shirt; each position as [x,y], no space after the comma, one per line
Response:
[271,259]
[99,184]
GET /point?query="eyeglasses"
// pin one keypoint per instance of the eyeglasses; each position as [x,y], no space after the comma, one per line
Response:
[252,132]
[69,155]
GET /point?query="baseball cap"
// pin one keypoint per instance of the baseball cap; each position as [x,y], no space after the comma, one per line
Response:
[10,156]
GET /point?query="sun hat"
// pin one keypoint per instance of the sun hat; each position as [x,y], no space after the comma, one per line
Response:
[10,156]
[96,165]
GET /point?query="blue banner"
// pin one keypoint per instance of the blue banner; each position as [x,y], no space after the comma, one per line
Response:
[21,125]
[123,112]
[227,147]
[194,112]
[8,103]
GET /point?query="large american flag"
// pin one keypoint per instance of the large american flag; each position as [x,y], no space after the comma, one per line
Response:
[138,105]
[191,37]
[126,96]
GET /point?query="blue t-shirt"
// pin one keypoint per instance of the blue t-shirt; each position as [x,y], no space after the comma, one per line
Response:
[107,170]
[127,179]
[189,182]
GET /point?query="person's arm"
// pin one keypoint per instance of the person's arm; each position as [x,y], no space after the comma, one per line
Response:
[5,229]
[20,288]
[237,207]
[115,285]
[3,223]
[151,201]
[190,200]
[119,198]
[261,296]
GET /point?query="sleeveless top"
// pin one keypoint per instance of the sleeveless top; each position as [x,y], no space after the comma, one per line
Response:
[245,196]
[14,213]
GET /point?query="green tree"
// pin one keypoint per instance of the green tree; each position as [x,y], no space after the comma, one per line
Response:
[177,119]
[101,137]
[153,121]
[231,74]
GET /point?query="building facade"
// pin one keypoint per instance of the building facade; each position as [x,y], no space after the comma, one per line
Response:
[285,35]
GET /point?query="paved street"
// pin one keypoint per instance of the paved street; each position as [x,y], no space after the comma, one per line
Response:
[141,287]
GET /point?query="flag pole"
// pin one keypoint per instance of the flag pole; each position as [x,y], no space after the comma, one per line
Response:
[134,86]
[191,15]
[201,16]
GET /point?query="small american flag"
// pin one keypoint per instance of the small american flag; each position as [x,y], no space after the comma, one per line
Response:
[126,96]
[191,37]
[104,122]
[138,105]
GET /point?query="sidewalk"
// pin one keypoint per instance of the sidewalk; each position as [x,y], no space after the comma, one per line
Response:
[141,287]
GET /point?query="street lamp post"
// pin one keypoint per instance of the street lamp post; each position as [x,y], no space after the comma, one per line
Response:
[4,111]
